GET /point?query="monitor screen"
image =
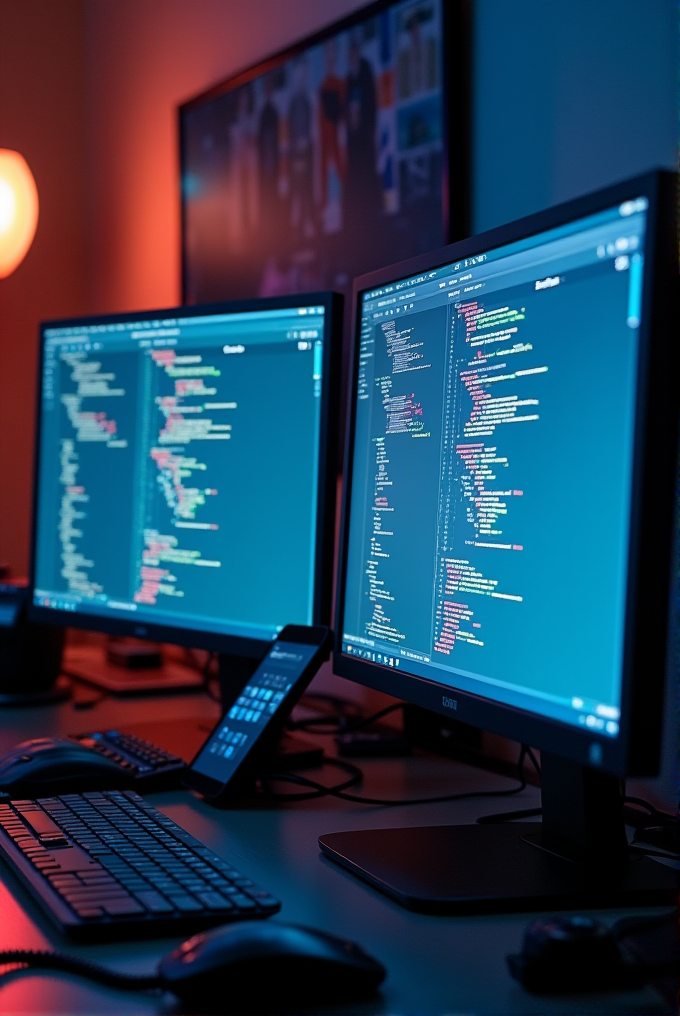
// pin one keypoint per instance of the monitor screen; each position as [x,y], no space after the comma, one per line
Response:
[182,463]
[489,519]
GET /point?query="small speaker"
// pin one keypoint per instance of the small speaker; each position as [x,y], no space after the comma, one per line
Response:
[30,654]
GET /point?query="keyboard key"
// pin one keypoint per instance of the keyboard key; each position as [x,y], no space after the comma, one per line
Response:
[123,907]
[185,903]
[213,901]
[154,902]
[76,895]
[125,860]
[243,902]
[267,901]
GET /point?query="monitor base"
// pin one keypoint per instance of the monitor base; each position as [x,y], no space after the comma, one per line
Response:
[473,869]
[59,692]
[90,664]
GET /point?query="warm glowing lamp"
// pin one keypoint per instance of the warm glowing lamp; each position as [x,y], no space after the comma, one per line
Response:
[18,210]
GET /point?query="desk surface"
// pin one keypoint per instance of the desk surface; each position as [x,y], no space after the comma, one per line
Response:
[435,964]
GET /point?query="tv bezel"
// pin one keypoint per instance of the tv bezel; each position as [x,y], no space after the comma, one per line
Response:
[636,749]
[252,648]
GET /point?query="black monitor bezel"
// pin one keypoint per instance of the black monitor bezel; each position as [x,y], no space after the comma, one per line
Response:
[252,648]
[636,749]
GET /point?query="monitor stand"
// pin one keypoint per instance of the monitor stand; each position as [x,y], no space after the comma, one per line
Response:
[89,663]
[576,858]
[59,692]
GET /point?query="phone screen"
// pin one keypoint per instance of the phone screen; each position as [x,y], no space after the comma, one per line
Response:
[254,709]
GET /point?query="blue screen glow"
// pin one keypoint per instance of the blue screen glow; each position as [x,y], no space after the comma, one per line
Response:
[492,470]
[178,472]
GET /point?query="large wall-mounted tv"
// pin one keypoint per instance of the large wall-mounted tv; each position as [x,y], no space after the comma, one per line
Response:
[345,152]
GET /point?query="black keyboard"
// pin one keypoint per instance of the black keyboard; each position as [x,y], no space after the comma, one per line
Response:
[108,864]
[150,767]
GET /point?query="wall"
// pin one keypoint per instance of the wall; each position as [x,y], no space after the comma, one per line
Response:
[88,90]
[568,97]
[143,59]
[42,89]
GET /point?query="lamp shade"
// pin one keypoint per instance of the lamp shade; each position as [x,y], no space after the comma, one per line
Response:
[18,210]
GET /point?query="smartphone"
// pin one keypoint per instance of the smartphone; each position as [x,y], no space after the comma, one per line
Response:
[246,734]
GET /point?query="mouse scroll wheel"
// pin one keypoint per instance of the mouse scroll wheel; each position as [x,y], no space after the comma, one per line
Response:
[25,758]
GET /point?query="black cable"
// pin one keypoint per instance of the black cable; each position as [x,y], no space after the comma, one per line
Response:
[663,817]
[319,790]
[510,816]
[658,829]
[340,708]
[338,723]
[656,817]
[355,778]
[367,720]
[69,964]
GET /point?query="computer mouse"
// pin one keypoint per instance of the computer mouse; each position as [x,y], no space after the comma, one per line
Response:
[264,964]
[45,766]
[567,953]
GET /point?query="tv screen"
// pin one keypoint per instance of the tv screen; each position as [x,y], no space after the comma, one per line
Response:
[343,153]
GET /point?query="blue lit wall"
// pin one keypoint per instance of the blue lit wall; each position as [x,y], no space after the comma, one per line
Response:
[569,95]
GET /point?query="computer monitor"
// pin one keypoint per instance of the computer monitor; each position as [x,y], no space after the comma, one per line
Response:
[507,533]
[185,481]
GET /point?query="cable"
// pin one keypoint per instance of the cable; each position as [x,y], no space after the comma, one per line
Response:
[655,816]
[69,964]
[342,707]
[319,790]
[655,831]
[659,816]
[355,778]
[367,720]
[510,816]
[340,722]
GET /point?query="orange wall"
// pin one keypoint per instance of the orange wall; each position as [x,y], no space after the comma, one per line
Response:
[42,108]
[88,94]
[143,59]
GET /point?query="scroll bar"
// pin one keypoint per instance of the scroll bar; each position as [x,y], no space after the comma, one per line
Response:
[635,290]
